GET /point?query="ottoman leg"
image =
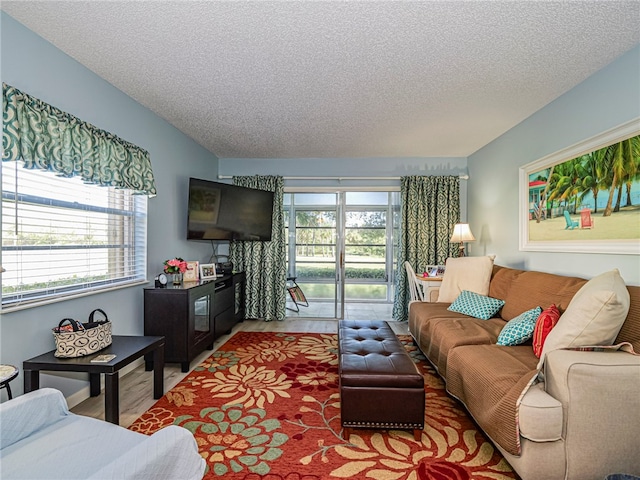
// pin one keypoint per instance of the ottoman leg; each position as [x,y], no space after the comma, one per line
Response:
[417,434]
[346,432]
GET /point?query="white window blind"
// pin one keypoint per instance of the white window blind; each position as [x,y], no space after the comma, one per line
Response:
[61,237]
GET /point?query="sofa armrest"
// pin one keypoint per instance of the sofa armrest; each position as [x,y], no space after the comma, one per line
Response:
[168,454]
[568,373]
[30,413]
[600,396]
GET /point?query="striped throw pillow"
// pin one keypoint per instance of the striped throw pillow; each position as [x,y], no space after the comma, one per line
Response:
[546,321]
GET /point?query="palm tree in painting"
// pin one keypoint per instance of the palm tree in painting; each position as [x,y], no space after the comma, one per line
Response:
[565,182]
[591,174]
[633,167]
[620,165]
[614,169]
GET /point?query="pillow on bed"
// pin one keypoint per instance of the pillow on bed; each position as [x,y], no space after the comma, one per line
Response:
[465,273]
[520,329]
[474,305]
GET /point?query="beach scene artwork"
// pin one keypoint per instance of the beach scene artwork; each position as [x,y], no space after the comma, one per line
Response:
[592,197]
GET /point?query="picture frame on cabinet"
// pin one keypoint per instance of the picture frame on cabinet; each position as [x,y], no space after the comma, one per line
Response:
[192,274]
[208,271]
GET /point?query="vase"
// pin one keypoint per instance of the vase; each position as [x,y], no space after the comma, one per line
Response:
[177,279]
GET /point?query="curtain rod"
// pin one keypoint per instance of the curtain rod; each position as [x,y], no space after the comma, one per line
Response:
[462,177]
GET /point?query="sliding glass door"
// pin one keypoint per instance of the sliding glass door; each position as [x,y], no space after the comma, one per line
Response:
[341,249]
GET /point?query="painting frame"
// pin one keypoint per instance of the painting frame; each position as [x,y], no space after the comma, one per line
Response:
[611,245]
[208,271]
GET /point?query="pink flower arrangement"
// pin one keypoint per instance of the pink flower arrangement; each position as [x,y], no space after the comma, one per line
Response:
[175,265]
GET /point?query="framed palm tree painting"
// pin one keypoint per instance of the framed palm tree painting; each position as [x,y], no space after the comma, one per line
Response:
[585,198]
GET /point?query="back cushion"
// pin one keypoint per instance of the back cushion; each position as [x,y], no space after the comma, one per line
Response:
[523,290]
[465,273]
[594,316]
[630,331]
[513,285]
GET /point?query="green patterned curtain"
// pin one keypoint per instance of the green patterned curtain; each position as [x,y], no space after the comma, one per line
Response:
[430,207]
[46,138]
[265,263]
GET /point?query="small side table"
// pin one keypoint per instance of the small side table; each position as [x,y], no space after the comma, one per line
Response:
[125,348]
[430,287]
[7,373]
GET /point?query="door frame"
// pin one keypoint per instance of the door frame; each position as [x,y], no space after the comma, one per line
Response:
[341,208]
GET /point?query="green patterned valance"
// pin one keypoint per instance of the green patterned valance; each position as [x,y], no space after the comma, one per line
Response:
[46,138]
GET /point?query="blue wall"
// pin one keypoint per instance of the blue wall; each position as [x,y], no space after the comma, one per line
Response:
[607,99]
[33,65]
[348,167]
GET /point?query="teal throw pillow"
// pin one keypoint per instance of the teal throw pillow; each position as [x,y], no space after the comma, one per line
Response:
[476,305]
[520,329]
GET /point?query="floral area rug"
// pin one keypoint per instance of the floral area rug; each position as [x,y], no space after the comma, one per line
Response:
[266,405]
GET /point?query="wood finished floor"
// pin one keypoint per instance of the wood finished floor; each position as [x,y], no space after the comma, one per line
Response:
[136,387]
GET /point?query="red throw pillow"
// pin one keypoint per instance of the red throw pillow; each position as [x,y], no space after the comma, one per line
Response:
[546,321]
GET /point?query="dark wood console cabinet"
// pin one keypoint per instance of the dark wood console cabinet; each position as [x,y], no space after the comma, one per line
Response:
[192,315]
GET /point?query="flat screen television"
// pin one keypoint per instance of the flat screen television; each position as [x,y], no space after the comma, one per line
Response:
[219,211]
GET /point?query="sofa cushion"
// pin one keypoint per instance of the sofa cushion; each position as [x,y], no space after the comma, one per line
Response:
[545,323]
[520,329]
[465,273]
[437,330]
[68,446]
[475,305]
[72,448]
[540,415]
[594,316]
[27,415]
[471,369]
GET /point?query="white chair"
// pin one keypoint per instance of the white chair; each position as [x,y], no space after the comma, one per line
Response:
[417,294]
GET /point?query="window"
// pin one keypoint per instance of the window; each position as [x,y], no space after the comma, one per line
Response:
[61,237]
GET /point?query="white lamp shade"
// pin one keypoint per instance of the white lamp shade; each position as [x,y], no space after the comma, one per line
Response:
[462,233]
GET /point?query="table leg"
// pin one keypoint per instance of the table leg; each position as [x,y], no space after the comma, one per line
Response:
[112,398]
[158,372]
[94,384]
[148,362]
[31,380]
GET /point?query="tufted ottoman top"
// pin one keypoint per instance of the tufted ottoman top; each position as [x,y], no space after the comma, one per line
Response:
[372,356]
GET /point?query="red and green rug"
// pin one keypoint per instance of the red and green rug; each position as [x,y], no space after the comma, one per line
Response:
[266,405]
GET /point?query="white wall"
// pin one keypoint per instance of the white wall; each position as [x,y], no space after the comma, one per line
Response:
[605,100]
[34,66]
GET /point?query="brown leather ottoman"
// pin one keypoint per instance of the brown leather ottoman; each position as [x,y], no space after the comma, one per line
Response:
[380,385]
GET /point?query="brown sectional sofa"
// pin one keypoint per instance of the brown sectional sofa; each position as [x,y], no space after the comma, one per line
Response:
[578,418]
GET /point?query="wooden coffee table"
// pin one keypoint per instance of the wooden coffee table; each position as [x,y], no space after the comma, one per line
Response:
[125,348]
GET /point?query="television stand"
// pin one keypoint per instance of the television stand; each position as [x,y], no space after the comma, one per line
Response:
[192,315]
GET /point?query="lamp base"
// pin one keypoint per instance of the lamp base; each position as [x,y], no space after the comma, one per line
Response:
[461,252]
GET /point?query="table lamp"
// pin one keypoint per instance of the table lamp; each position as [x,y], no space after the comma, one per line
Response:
[462,233]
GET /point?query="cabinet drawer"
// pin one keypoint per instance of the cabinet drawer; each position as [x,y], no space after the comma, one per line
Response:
[224,322]
[222,299]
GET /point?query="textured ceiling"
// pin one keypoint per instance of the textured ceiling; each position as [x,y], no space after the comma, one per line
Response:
[300,79]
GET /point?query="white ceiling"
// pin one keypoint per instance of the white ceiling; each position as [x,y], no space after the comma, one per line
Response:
[312,79]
